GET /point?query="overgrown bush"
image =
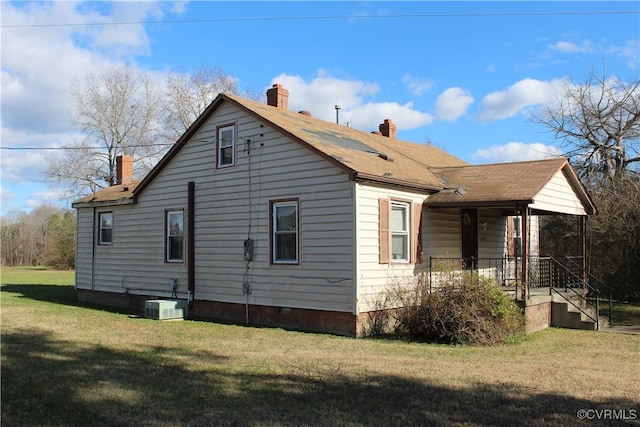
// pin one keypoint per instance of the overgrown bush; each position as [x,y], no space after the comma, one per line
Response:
[464,309]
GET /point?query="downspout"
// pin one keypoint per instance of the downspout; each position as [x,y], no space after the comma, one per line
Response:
[191,247]
[93,249]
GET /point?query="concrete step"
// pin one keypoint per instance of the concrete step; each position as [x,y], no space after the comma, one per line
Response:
[565,315]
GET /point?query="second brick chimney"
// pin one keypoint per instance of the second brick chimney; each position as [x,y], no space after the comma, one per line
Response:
[124,170]
[277,96]
[388,129]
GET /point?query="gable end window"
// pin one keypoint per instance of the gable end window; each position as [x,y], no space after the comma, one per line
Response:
[226,146]
[105,228]
[174,232]
[284,232]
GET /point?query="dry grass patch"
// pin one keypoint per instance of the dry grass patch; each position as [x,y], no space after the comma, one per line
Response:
[68,364]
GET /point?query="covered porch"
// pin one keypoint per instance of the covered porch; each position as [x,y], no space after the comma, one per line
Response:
[498,210]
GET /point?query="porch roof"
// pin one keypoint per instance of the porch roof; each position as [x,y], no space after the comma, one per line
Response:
[113,195]
[509,184]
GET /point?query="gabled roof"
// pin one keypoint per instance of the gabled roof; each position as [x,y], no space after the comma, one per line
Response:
[504,184]
[372,157]
[364,155]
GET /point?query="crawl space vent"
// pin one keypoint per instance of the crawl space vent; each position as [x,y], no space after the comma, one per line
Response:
[165,309]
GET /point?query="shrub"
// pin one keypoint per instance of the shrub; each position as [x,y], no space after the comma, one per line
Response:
[464,309]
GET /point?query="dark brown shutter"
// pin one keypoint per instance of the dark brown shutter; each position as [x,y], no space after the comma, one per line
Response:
[416,244]
[383,210]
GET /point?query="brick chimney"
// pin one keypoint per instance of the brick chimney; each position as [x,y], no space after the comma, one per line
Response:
[388,129]
[124,170]
[278,97]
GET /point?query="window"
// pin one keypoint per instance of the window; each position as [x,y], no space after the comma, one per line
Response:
[284,232]
[226,146]
[517,237]
[399,231]
[175,236]
[105,220]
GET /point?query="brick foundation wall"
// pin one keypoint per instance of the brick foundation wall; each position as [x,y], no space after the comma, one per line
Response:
[538,316]
[110,299]
[332,322]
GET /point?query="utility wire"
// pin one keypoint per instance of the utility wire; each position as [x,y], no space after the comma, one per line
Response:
[80,148]
[330,17]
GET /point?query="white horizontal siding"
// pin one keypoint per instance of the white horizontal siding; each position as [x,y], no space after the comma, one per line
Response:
[558,196]
[232,204]
[84,245]
[441,233]
[376,280]
[492,226]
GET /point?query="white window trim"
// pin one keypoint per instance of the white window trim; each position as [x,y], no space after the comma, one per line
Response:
[275,232]
[405,206]
[168,235]
[100,228]
[220,145]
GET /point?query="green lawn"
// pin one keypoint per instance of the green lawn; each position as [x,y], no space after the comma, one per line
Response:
[69,364]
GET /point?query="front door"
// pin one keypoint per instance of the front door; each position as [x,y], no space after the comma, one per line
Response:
[469,218]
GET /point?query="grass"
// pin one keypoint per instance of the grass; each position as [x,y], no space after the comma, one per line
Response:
[624,314]
[69,364]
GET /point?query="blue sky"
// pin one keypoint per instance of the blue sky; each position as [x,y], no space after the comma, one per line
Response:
[466,76]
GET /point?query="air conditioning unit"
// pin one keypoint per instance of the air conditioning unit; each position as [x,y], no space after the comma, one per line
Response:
[165,309]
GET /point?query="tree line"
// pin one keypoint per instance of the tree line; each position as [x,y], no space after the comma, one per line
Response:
[44,236]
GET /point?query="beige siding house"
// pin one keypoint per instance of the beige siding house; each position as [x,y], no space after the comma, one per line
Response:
[266,216]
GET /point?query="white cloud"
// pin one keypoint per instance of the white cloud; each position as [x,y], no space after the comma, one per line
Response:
[416,85]
[515,152]
[40,64]
[630,51]
[569,47]
[452,103]
[321,94]
[369,116]
[48,197]
[518,97]
[6,197]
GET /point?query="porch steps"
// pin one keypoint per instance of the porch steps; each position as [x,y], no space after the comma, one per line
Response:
[565,315]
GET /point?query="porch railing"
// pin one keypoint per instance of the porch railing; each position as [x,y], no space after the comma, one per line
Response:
[503,270]
[601,289]
[564,276]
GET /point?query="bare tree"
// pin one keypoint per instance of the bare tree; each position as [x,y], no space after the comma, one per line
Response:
[122,112]
[118,113]
[189,95]
[599,124]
